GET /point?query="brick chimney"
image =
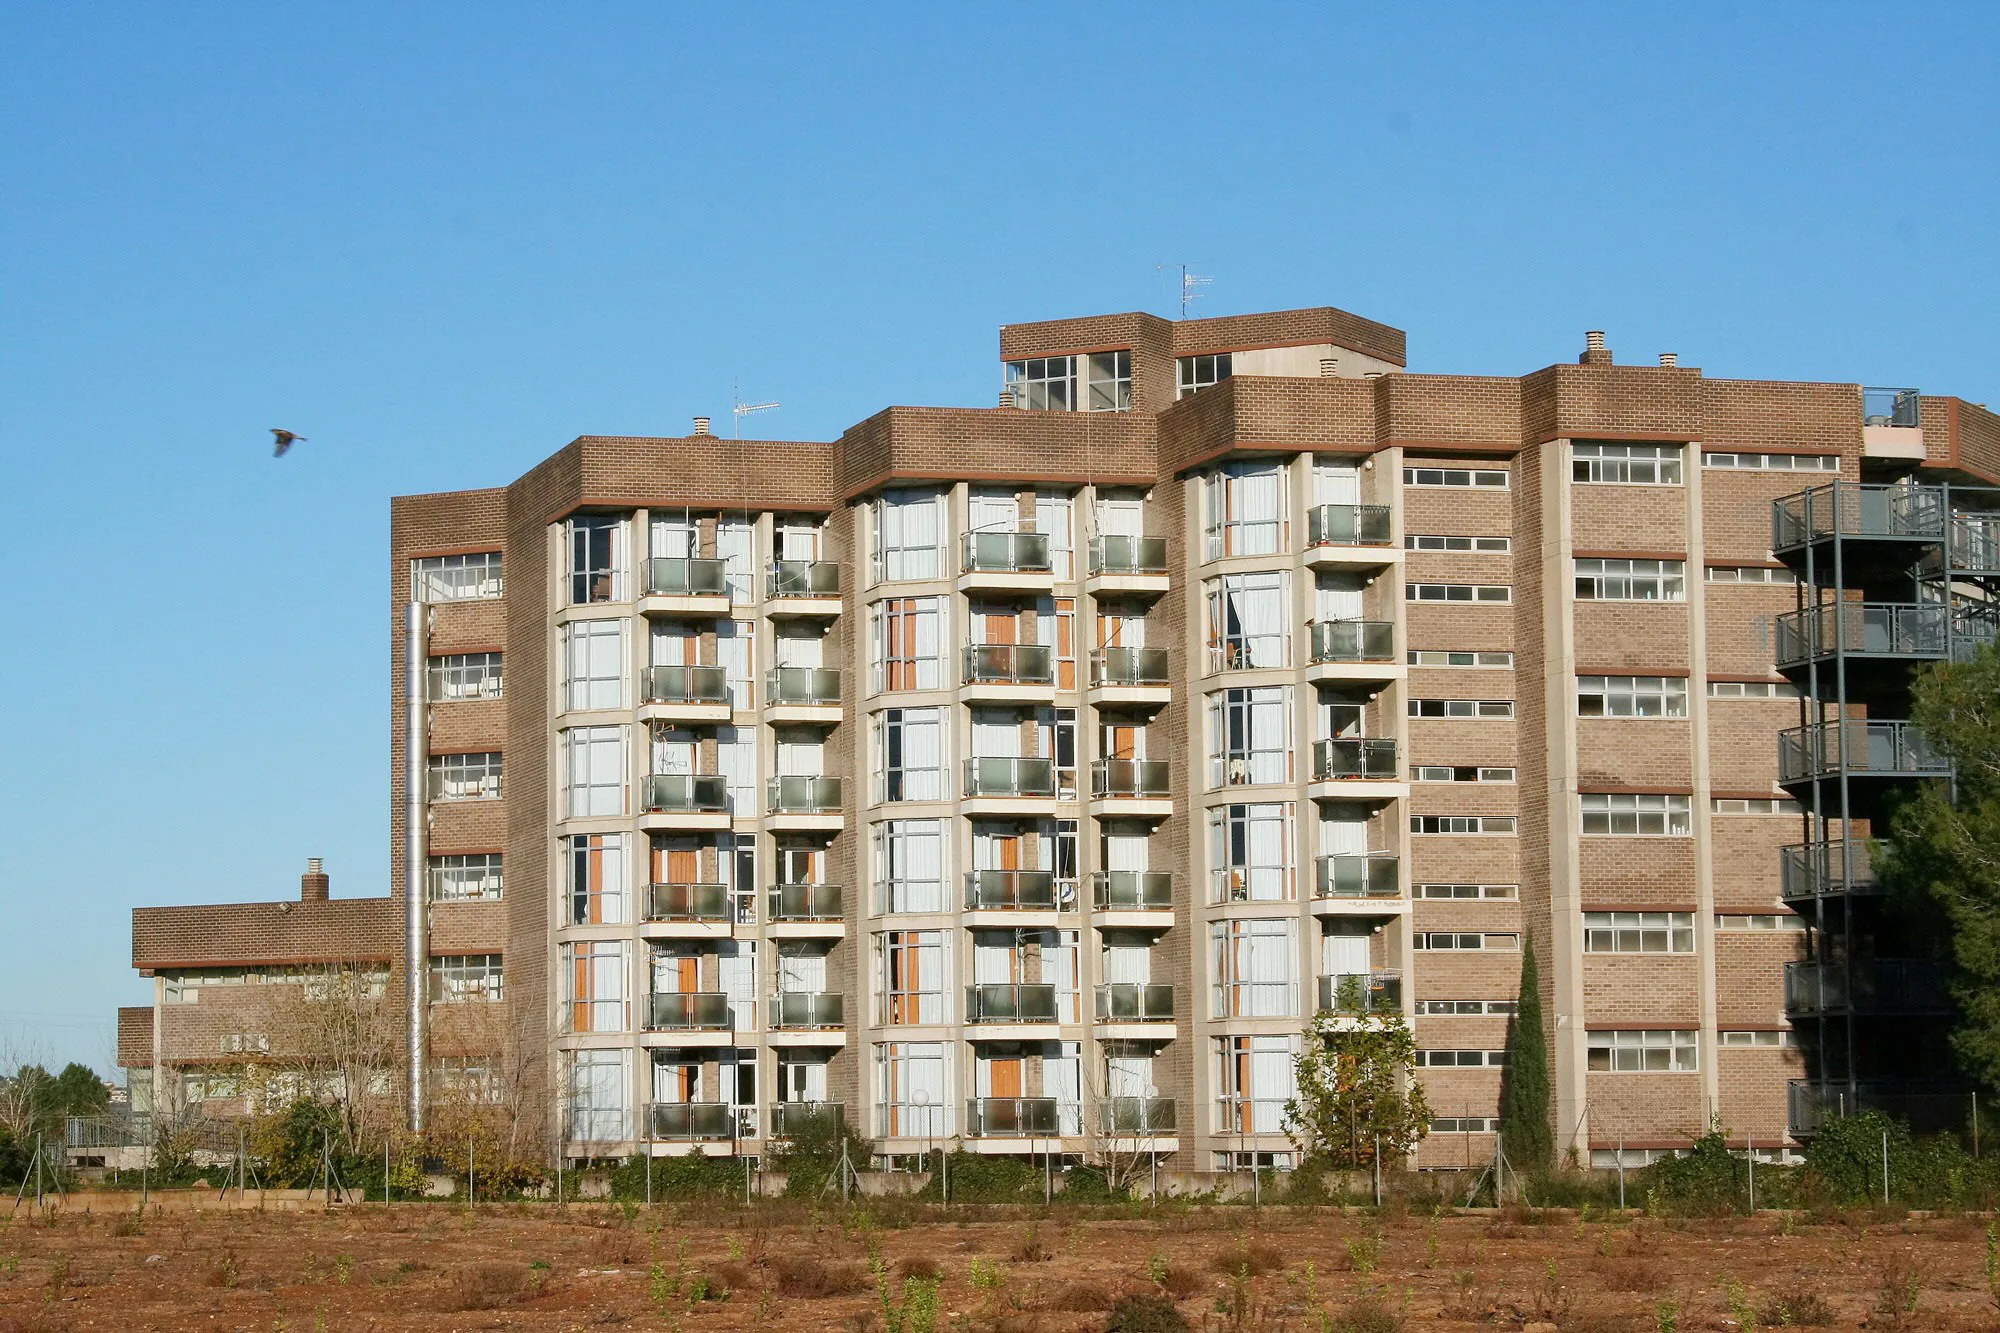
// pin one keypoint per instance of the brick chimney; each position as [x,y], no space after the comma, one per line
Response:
[1595,353]
[314,884]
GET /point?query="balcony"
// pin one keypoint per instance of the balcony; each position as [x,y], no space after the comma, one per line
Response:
[1926,1108]
[1351,758]
[686,586]
[1132,891]
[1362,650]
[1135,1117]
[811,587]
[1135,1002]
[1877,986]
[1006,553]
[804,688]
[794,903]
[1361,993]
[1016,891]
[1010,777]
[1357,876]
[1348,525]
[698,1122]
[792,1118]
[796,794]
[686,693]
[820,1010]
[1120,555]
[1851,511]
[1810,870]
[688,902]
[1891,407]
[1012,1117]
[1129,668]
[1872,629]
[1860,749]
[1010,670]
[1010,1002]
[688,1011]
[1128,779]
[694,800]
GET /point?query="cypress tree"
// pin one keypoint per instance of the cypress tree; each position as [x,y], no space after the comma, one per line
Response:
[1524,1088]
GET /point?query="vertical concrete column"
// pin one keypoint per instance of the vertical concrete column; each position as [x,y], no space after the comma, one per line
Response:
[1701,804]
[416,759]
[1564,965]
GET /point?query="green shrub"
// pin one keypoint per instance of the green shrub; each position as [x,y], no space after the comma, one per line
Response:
[1145,1312]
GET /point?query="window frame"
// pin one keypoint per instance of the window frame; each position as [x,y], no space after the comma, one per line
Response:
[1611,463]
[1632,693]
[1622,579]
[1609,809]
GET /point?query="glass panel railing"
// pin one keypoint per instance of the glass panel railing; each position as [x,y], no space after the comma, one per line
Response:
[807,902]
[1128,777]
[1353,757]
[1132,891]
[1357,875]
[1007,553]
[1009,776]
[1850,509]
[687,1010]
[1135,1002]
[687,902]
[808,1009]
[1925,1108]
[1129,1116]
[1011,890]
[1891,407]
[1128,555]
[1347,525]
[802,685]
[1012,1117]
[1894,629]
[1353,641]
[802,578]
[691,1120]
[688,793]
[790,1119]
[1128,666]
[1010,664]
[679,576]
[1827,869]
[686,685]
[1010,1002]
[795,795]
[1858,747]
[1361,992]
[1878,985]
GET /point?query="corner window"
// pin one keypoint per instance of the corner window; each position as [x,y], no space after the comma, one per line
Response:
[465,777]
[460,676]
[909,535]
[1202,372]
[456,578]
[470,877]
[1245,505]
[1109,387]
[1045,383]
[596,547]
[465,978]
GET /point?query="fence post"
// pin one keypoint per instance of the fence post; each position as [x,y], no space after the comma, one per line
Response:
[1885,1167]
[1621,1173]
[1378,1170]
[470,1191]
[1750,1160]
[649,1174]
[1975,1124]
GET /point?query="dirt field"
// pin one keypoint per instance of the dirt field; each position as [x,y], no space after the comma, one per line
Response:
[593,1266]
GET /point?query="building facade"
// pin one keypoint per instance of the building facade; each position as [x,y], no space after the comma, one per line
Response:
[1024,778]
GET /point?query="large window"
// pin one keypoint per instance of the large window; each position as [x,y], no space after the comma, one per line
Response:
[1245,504]
[912,1082]
[1254,1078]
[459,978]
[594,664]
[1250,852]
[910,865]
[1605,580]
[909,644]
[1110,382]
[467,877]
[910,754]
[597,876]
[1638,932]
[1200,372]
[1247,619]
[1627,464]
[1637,814]
[596,546]
[594,973]
[1635,1051]
[1631,696]
[911,975]
[1044,383]
[465,777]
[456,578]
[909,535]
[1255,969]
[460,676]
[594,781]
[1249,736]
[599,1106]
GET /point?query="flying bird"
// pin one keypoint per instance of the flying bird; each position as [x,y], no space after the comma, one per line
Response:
[284,438]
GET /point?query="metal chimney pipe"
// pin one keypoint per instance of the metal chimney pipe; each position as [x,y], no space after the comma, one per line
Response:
[1670,359]
[701,425]
[1593,340]
[416,815]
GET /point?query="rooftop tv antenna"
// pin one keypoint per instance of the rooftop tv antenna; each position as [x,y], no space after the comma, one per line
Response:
[1190,280]
[740,409]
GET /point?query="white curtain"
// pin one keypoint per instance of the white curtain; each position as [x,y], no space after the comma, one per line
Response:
[801,649]
[995,734]
[1338,597]
[912,861]
[798,540]
[801,970]
[735,650]
[923,754]
[1343,831]
[1336,484]
[801,1077]
[675,644]
[912,1089]
[736,760]
[1062,1079]
[735,546]
[736,973]
[1059,967]
[1125,851]
[1257,510]
[1343,955]
[596,771]
[1131,963]
[1271,1084]
[673,538]
[1269,963]
[1128,1076]
[801,752]
[930,643]
[992,511]
[1260,608]
[1053,516]
[1121,516]
[908,527]
[595,664]
[673,751]
[598,1102]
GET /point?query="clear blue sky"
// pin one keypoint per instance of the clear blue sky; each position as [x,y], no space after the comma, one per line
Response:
[441,240]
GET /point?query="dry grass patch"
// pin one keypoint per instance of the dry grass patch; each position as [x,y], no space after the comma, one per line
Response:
[811,1280]
[489,1284]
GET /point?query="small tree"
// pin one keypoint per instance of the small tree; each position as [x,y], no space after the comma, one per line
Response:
[1524,1086]
[1356,1088]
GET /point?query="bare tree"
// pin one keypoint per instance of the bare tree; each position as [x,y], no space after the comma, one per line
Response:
[333,1038]
[1121,1132]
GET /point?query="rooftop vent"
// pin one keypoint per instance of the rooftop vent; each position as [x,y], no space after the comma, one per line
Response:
[314,884]
[1670,359]
[1329,367]
[701,425]
[1595,353]
[1006,398]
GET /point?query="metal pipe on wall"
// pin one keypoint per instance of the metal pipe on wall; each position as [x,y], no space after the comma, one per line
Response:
[416,944]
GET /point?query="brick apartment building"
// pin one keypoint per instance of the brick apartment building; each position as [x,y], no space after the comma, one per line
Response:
[1023,778]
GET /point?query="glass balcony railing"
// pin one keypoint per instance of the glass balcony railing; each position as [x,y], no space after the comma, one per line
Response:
[1010,776]
[672,1011]
[1010,1002]
[1111,778]
[1128,666]
[1865,629]
[808,1009]
[684,576]
[1357,875]
[1010,664]
[687,902]
[1885,749]
[1353,641]
[1012,1117]
[802,685]
[1827,869]
[687,793]
[802,578]
[1128,555]
[1347,525]
[697,1121]
[1891,407]
[1007,553]
[1361,993]
[807,902]
[1851,509]
[1973,543]
[1875,986]
[1926,1108]
[1126,1117]
[1013,890]
[1353,757]
[686,685]
[1132,891]
[795,795]
[1135,1002]
[789,1119]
